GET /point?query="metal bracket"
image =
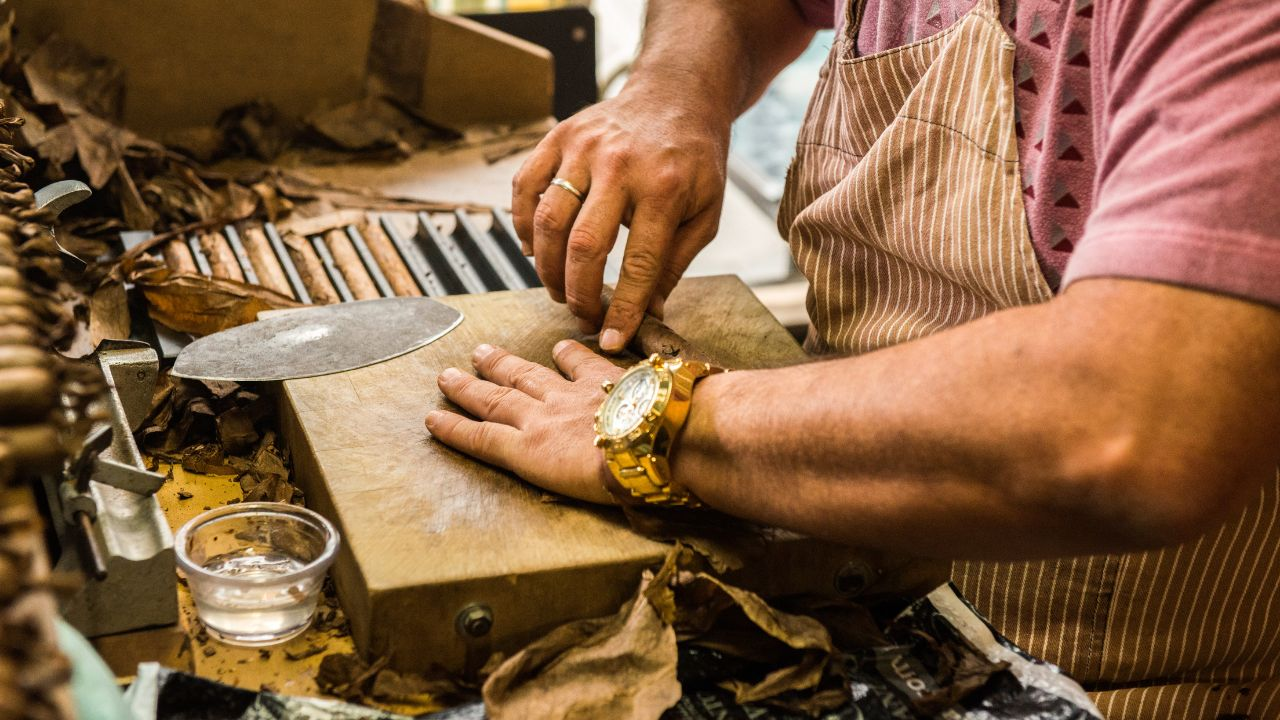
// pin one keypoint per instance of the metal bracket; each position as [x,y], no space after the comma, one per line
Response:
[114,529]
[130,369]
[57,197]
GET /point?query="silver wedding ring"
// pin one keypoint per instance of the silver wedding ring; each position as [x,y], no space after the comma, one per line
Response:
[569,188]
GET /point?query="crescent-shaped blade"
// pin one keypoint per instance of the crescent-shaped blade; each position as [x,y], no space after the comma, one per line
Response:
[317,340]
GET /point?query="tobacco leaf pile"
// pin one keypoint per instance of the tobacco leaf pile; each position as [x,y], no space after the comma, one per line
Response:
[629,665]
[349,677]
[196,179]
[219,429]
[690,645]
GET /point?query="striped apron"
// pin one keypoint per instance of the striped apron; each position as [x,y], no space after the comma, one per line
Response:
[904,210]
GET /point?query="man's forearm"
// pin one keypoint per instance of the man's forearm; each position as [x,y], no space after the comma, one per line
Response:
[718,53]
[1122,415]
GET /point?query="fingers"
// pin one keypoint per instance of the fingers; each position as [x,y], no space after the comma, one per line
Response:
[512,371]
[552,220]
[689,241]
[486,400]
[579,363]
[527,184]
[490,442]
[652,230]
[590,241]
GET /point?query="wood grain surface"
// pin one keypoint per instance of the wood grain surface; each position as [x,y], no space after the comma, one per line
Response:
[427,531]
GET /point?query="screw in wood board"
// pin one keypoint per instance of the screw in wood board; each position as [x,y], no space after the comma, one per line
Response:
[853,578]
[475,620]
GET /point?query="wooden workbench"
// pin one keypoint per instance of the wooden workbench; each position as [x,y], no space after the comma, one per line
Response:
[428,532]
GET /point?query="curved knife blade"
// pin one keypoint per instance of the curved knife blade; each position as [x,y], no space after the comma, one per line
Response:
[317,340]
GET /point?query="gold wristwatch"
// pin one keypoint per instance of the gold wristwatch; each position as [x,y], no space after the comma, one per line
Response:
[638,423]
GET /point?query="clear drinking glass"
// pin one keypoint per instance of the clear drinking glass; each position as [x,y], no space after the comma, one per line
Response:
[255,569]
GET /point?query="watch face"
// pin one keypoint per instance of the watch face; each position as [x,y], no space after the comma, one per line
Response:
[626,406]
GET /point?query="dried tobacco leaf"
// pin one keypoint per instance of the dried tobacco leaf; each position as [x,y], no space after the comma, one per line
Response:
[390,686]
[267,479]
[136,212]
[852,626]
[960,671]
[299,186]
[203,305]
[238,200]
[304,653]
[203,144]
[63,73]
[273,204]
[99,147]
[181,193]
[799,647]
[345,675]
[108,313]
[370,123]
[218,429]
[181,415]
[321,224]
[209,459]
[89,237]
[257,129]
[58,147]
[616,667]
[6,39]
[337,672]
[236,431]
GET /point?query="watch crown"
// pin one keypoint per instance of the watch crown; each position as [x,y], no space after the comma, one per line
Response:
[607,386]
[600,441]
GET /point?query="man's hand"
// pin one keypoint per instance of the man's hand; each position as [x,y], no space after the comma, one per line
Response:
[531,420]
[652,159]
[643,160]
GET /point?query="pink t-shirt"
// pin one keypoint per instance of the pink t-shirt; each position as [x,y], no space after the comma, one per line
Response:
[1149,132]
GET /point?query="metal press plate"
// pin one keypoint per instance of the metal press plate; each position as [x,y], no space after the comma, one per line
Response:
[317,341]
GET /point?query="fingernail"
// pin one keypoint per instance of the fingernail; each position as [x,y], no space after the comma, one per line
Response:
[483,351]
[450,374]
[526,249]
[560,347]
[611,340]
[433,417]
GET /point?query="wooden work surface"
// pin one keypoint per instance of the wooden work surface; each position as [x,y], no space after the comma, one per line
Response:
[427,531]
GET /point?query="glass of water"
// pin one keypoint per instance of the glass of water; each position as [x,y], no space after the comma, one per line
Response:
[255,569]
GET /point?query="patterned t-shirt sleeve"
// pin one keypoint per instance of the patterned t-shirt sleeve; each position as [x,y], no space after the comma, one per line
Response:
[1188,143]
[818,13]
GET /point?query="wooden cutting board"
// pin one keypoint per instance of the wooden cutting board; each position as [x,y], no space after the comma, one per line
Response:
[428,532]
